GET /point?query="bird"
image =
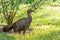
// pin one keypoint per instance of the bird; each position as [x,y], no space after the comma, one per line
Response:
[21,24]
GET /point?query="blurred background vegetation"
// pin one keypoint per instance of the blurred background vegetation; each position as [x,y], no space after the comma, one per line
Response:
[9,8]
[45,23]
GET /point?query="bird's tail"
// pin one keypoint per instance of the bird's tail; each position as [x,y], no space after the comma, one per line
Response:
[8,28]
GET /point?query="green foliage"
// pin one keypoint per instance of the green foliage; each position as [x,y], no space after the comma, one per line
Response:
[54,0]
[9,9]
[38,3]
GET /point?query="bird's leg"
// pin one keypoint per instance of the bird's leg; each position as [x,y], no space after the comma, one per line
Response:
[14,29]
[19,32]
[24,31]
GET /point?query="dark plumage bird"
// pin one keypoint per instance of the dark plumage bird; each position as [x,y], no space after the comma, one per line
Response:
[21,24]
[24,23]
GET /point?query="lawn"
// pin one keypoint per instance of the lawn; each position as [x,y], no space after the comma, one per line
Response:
[45,25]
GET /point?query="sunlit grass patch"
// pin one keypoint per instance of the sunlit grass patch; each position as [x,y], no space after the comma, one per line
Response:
[44,32]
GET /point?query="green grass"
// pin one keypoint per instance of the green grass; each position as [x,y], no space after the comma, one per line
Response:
[45,25]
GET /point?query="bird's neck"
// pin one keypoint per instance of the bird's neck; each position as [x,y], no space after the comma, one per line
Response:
[29,17]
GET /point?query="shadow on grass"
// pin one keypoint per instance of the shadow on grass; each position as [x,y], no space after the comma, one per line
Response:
[5,36]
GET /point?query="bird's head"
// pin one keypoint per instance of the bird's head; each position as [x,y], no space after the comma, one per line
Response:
[29,11]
